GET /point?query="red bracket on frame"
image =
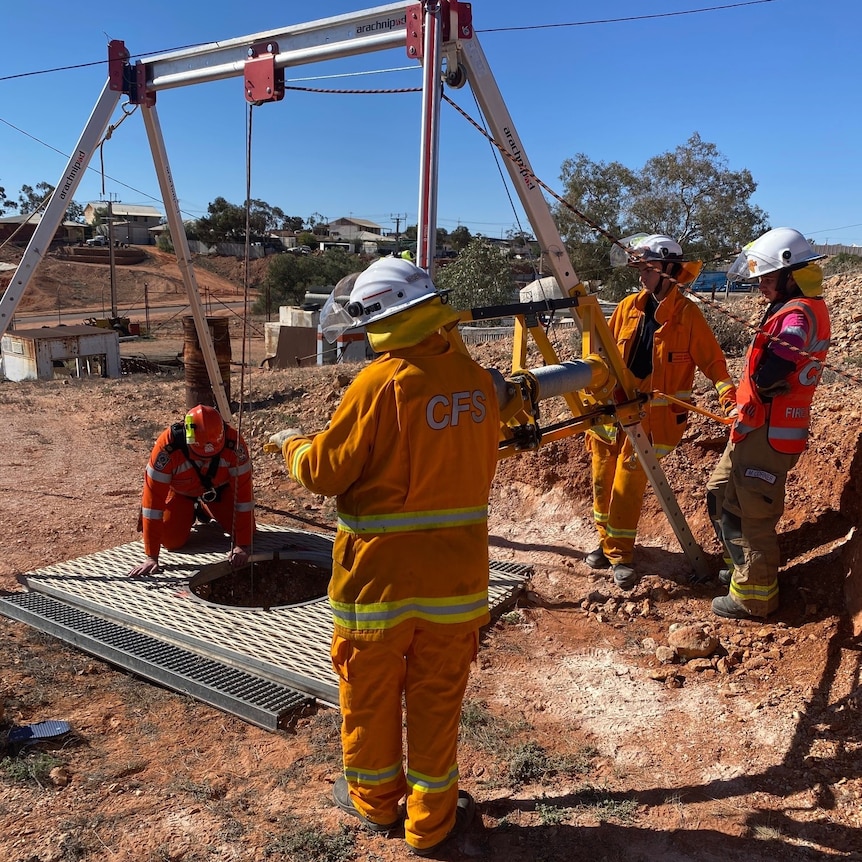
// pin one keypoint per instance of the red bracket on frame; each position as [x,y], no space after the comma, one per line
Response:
[452,10]
[263,82]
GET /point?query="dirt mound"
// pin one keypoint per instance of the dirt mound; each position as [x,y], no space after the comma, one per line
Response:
[584,734]
[63,282]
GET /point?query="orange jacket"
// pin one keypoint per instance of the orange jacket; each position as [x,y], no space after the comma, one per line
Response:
[170,469]
[410,454]
[788,413]
[683,342]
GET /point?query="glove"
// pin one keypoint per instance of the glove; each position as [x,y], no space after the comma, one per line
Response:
[276,441]
[238,557]
[150,566]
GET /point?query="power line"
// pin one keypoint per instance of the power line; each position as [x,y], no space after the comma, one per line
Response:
[595,22]
[625,19]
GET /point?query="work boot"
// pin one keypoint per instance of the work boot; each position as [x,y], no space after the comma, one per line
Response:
[201,514]
[464,813]
[597,559]
[624,576]
[725,576]
[727,607]
[341,797]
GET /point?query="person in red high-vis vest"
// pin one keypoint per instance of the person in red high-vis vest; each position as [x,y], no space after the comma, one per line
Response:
[745,494]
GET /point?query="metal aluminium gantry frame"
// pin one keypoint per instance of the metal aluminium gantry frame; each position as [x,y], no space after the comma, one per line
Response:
[439,35]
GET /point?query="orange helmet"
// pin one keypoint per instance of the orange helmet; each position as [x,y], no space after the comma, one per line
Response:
[204,431]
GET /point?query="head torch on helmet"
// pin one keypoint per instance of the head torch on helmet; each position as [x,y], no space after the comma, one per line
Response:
[389,286]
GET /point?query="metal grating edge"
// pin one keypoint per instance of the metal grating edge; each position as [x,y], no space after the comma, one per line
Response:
[258,701]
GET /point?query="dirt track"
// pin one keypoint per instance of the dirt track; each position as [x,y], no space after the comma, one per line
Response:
[578,742]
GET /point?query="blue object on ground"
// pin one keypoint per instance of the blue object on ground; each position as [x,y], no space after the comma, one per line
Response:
[40,730]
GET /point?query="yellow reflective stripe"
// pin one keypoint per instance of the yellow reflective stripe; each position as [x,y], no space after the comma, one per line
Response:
[722,386]
[661,450]
[401,522]
[432,783]
[608,433]
[372,777]
[294,462]
[600,517]
[374,616]
[615,533]
[754,592]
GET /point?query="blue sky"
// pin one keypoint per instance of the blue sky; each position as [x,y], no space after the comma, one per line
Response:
[774,85]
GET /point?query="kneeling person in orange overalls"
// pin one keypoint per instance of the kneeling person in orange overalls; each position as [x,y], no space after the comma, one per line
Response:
[198,468]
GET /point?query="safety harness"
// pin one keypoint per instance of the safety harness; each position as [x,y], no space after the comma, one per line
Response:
[178,442]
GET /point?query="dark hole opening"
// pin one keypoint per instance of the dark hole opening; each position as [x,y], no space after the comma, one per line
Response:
[264,583]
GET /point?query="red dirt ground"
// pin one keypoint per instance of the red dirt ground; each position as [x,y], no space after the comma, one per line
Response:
[578,742]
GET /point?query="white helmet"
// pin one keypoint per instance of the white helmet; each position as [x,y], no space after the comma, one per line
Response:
[779,248]
[646,247]
[390,285]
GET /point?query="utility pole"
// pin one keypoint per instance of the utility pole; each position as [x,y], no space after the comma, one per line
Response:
[111,257]
[398,218]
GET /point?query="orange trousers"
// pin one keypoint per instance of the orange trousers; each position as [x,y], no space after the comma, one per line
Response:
[179,517]
[427,667]
[619,484]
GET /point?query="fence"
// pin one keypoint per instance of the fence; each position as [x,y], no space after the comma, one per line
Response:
[838,249]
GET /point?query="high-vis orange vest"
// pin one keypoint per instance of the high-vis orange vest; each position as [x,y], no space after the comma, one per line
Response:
[170,469]
[789,414]
[410,454]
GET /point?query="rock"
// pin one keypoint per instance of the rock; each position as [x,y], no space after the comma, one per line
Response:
[60,776]
[647,643]
[665,654]
[659,595]
[692,642]
[699,664]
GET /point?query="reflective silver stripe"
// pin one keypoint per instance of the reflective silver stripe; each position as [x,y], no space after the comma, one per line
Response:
[239,470]
[152,514]
[372,777]
[788,433]
[245,507]
[742,428]
[406,521]
[158,476]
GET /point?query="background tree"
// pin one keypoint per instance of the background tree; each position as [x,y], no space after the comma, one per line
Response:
[479,276]
[307,238]
[225,222]
[689,193]
[460,238]
[290,276]
[294,223]
[5,203]
[31,199]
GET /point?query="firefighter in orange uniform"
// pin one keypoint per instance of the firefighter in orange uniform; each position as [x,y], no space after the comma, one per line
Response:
[410,455]
[745,494]
[662,337]
[198,468]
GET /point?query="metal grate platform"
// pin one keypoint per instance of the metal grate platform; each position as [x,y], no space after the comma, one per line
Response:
[287,646]
[227,688]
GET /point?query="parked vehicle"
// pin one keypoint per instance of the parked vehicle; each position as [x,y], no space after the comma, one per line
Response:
[97,240]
